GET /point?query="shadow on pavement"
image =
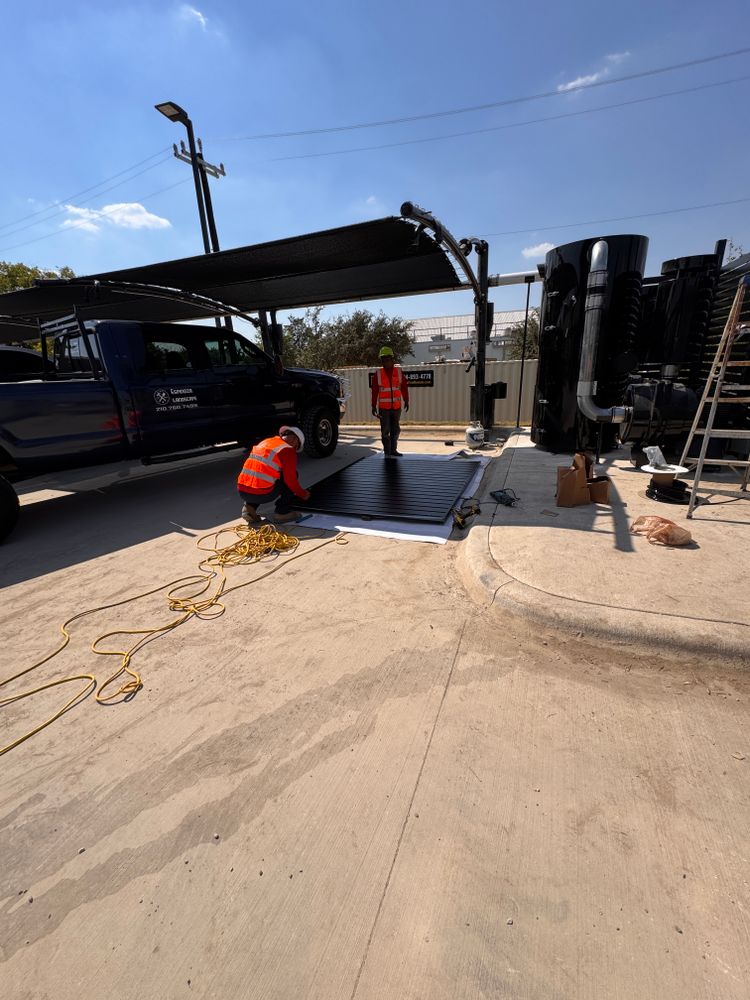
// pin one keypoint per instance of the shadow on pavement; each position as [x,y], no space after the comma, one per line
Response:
[532,473]
[56,533]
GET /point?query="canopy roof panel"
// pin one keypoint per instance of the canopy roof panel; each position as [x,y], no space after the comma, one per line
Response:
[369,260]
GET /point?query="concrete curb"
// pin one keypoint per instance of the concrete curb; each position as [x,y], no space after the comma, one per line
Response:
[652,633]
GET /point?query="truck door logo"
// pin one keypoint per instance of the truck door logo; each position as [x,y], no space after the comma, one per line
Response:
[175,398]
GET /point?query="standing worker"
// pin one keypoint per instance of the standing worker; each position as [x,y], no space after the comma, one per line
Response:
[270,473]
[389,391]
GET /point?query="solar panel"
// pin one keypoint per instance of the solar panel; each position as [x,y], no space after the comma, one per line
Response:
[405,489]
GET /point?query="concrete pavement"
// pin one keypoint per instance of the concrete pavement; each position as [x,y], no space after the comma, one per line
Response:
[580,569]
[356,784]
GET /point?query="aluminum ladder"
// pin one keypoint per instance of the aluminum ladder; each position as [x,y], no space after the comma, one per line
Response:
[713,393]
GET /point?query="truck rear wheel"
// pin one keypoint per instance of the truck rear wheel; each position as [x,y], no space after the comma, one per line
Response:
[9,508]
[321,430]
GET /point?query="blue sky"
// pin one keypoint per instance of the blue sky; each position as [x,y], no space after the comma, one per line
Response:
[81,80]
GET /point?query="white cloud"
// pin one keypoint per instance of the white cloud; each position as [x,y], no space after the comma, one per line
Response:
[82,218]
[613,59]
[538,251]
[370,207]
[188,13]
[132,215]
[126,215]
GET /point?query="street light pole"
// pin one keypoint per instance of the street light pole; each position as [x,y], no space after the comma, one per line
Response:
[175,113]
[200,170]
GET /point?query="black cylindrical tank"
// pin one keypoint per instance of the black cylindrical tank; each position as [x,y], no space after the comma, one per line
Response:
[557,422]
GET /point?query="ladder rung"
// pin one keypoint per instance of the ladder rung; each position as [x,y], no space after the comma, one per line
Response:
[720,461]
[722,493]
[728,399]
[738,364]
[726,433]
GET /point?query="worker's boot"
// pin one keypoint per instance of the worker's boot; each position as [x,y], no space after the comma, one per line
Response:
[250,514]
[293,515]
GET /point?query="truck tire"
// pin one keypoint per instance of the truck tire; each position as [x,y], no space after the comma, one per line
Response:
[321,430]
[9,508]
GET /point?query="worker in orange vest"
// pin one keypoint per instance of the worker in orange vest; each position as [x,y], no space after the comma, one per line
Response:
[270,473]
[390,392]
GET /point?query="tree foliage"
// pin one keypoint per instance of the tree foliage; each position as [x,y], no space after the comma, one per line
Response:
[343,341]
[15,276]
[515,341]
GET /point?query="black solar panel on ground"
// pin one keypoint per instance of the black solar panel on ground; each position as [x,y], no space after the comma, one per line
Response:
[403,489]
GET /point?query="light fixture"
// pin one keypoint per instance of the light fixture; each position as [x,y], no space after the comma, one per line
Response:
[172,111]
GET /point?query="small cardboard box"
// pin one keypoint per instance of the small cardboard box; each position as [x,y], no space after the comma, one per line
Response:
[576,485]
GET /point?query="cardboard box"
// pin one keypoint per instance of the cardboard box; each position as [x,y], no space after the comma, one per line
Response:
[576,485]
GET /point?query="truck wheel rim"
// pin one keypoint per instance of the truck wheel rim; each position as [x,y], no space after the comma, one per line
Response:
[325,432]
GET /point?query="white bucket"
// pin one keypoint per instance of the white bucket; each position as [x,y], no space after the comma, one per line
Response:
[474,435]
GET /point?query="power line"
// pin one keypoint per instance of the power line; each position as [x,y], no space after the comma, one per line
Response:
[494,104]
[78,225]
[616,218]
[78,194]
[83,201]
[500,128]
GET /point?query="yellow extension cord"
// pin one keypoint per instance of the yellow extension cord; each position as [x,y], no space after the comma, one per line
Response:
[250,546]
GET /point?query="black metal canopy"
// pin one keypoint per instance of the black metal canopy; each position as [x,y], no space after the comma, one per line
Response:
[369,260]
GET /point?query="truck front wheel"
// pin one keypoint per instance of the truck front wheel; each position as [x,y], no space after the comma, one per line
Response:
[321,430]
[9,508]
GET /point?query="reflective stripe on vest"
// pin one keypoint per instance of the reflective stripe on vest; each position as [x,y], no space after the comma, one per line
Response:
[389,394]
[261,470]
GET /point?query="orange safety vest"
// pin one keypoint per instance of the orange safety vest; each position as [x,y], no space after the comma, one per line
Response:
[262,469]
[389,393]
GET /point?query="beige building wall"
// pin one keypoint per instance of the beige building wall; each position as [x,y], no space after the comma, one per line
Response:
[447,402]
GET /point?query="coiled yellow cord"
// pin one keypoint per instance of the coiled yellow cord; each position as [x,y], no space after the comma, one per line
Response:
[251,545]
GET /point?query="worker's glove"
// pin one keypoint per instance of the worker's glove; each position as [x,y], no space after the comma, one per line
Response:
[374,411]
[406,407]
[307,495]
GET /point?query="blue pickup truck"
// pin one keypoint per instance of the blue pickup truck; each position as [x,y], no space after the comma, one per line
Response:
[124,390]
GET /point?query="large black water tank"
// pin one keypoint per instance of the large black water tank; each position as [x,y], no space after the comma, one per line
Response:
[557,422]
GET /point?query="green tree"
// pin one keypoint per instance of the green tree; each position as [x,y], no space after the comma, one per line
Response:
[344,340]
[15,276]
[515,341]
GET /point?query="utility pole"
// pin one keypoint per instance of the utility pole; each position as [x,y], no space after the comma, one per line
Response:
[201,169]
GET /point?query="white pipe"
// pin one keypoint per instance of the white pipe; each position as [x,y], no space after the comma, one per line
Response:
[516,278]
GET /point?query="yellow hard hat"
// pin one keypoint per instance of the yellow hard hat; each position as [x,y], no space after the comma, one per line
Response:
[386,352]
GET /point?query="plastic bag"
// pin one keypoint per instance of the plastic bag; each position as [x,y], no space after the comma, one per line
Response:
[656,458]
[660,530]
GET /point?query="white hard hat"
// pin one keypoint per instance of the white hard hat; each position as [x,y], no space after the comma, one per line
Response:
[297,433]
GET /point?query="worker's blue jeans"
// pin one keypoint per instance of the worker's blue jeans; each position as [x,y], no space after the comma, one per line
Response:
[285,499]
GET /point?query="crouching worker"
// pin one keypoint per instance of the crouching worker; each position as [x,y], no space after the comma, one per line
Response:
[270,473]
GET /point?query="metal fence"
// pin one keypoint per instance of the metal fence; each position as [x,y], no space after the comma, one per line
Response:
[446,400]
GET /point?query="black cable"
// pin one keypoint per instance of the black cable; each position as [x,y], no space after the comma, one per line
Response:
[492,104]
[70,197]
[77,225]
[57,211]
[500,128]
[618,218]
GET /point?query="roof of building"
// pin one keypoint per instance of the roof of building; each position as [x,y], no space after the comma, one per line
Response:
[460,327]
